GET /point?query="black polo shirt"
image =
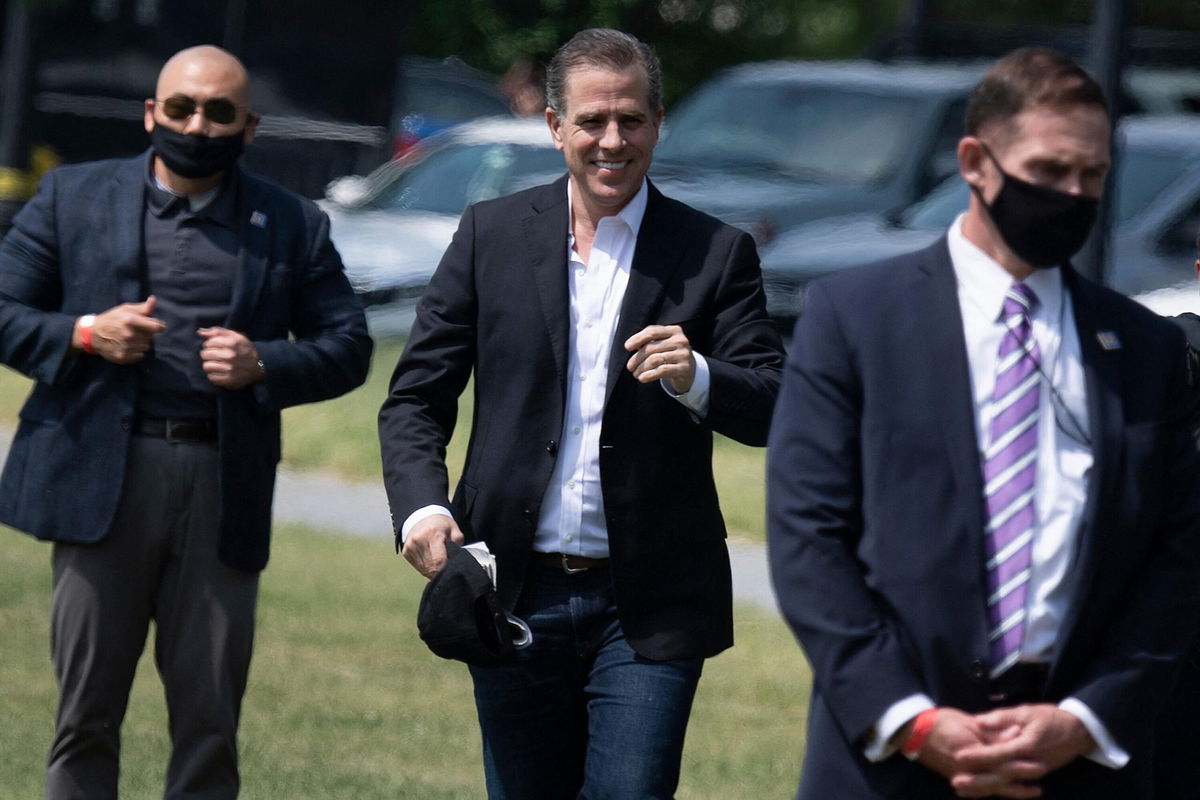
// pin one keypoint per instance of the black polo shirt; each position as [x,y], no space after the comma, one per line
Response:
[191,262]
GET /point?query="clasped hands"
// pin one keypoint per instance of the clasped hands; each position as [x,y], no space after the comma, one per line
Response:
[123,335]
[1001,753]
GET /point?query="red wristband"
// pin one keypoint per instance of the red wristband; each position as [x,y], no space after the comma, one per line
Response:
[85,333]
[922,727]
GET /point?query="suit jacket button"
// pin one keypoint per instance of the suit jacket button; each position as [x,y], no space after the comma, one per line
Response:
[552,447]
[978,669]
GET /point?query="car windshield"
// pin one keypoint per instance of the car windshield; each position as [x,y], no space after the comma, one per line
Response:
[449,180]
[1142,174]
[807,132]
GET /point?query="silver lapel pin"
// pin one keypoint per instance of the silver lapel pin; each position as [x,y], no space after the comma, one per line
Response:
[1108,340]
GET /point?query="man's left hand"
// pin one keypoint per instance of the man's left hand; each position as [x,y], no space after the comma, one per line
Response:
[229,359]
[1037,732]
[662,352]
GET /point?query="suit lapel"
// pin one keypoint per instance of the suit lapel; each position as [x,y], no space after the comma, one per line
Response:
[253,226]
[655,257]
[936,306]
[1101,371]
[130,193]
[545,232]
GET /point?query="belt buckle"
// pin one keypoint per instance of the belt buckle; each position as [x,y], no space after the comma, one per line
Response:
[183,431]
[567,568]
[170,426]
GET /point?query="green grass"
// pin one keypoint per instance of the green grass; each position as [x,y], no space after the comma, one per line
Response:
[345,702]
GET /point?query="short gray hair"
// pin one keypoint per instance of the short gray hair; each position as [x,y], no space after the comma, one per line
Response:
[607,49]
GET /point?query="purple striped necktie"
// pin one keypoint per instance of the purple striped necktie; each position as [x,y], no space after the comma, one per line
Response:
[1009,476]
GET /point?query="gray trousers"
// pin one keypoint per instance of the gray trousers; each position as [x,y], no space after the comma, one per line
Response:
[159,562]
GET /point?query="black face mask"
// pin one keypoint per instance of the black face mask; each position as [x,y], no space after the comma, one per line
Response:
[1043,226]
[195,156]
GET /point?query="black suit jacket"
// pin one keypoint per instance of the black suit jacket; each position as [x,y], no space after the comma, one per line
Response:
[876,522]
[77,248]
[498,304]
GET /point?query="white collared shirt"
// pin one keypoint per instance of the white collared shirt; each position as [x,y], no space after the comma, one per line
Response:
[1063,462]
[571,519]
[1064,457]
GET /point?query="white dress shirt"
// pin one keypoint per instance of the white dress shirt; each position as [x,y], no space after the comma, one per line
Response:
[1064,458]
[572,519]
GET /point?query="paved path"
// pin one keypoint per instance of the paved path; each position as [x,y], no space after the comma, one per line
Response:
[360,509]
[330,503]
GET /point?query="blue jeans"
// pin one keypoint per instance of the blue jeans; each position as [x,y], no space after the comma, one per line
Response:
[579,713]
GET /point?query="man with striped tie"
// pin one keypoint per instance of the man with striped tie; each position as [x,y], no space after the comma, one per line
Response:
[984,498]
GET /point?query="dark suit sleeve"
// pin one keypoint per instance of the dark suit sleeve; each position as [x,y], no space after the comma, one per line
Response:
[35,336]
[330,351]
[815,521]
[1190,325]
[746,357]
[419,414]
[1127,681]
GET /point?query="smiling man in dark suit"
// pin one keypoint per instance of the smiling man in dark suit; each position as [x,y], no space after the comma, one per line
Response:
[167,306]
[984,497]
[611,331]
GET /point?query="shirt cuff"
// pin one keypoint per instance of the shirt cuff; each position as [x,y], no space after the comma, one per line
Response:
[1107,753]
[879,744]
[418,515]
[695,398]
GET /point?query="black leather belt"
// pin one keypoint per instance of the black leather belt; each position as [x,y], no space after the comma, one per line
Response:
[191,431]
[568,563]
[1020,683]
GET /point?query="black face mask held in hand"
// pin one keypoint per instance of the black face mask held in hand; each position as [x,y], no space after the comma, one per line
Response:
[195,156]
[1043,226]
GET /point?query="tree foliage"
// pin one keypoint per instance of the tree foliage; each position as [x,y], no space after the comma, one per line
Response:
[692,37]
[695,37]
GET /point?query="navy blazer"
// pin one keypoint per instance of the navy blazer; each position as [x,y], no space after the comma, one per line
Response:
[77,248]
[499,305]
[876,522]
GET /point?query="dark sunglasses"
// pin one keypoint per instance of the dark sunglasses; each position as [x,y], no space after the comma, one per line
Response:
[218,110]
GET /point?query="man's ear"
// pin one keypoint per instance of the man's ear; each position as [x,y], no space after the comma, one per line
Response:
[252,121]
[555,127]
[971,158]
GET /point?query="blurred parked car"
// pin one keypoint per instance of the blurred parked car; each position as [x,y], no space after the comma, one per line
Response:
[767,146]
[392,226]
[433,95]
[1173,300]
[1156,213]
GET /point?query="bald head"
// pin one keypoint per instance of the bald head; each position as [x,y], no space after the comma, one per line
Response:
[205,65]
[202,92]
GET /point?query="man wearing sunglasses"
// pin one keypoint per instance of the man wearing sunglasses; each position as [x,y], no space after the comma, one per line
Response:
[167,307]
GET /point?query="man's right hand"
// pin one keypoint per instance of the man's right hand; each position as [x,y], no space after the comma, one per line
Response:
[425,546]
[124,333]
[954,730]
